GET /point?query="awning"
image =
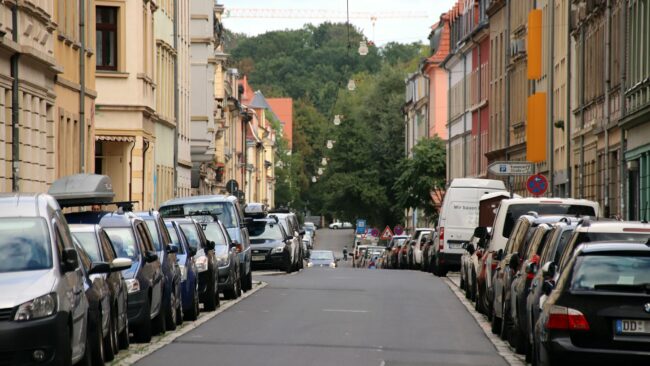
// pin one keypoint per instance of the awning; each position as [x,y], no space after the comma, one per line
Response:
[114,138]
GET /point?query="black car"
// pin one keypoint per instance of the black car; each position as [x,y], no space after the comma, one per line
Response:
[99,306]
[599,312]
[227,258]
[172,272]
[272,246]
[205,260]
[131,239]
[98,247]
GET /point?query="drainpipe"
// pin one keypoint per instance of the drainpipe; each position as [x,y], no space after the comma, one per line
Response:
[567,118]
[82,83]
[507,82]
[144,170]
[131,171]
[464,114]
[551,99]
[621,156]
[448,123]
[15,105]
[608,86]
[176,99]
[581,189]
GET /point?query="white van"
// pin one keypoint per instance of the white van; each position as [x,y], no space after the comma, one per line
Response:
[458,219]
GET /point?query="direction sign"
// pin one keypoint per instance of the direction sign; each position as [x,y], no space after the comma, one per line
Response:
[387,234]
[361,226]
[398,229]
[537,184]
[511,168]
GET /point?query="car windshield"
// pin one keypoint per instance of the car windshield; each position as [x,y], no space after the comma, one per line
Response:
[586,237]
[123,242]
[88,241]
[151,224]
[322,255]
[213,232]
[517,210]
[264,230]
[174,237]
[625,273]
[191,234]
[24,245]
[225,211]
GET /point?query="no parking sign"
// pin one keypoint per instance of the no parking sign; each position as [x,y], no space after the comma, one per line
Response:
[537,185]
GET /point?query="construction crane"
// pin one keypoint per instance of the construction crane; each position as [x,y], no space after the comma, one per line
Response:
[322,14]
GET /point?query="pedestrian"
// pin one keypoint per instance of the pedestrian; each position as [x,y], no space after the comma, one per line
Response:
[345,253]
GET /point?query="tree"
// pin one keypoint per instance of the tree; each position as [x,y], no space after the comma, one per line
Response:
[421,175]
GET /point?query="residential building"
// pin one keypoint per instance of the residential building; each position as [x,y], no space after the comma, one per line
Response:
[437,77]
[416,110]
[234,132]
[498,130]
[220,105]
[27,95]
[205,40]
[283,110]
[125,122]
[183,89]
[260,152]
[73,137]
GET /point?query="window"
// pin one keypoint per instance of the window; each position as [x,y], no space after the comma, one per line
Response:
[106,38]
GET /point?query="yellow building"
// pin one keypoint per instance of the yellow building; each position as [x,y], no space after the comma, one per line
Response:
[27,95]
[125,119]
[74,47]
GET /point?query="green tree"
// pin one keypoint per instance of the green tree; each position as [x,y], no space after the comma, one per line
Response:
[421,174]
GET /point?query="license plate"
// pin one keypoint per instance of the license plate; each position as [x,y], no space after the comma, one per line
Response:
[629,326]
[455,245]
[259,258]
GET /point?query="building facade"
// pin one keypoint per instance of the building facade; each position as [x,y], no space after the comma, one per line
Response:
[183,89]
[437,76]
[125,123]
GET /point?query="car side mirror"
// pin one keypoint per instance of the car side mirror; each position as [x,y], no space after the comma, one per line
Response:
[172,249]
[480,232]
[514,261]
[289,237]
[99,267]
[238,246]
[209,245]
[193,251]
[531,268]
[70,260]
[301,232]
[120,264]
[547,287]
[151,257]
[499,254]
[548,270]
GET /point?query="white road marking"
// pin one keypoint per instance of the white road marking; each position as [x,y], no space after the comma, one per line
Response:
[344,311]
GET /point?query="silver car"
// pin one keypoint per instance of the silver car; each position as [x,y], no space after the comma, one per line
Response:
[41,284]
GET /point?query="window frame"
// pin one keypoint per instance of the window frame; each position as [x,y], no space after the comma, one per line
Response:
[106,28]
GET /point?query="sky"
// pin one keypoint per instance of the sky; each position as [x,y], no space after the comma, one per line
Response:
[403,30]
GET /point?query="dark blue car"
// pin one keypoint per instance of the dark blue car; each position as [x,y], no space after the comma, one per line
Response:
[189,272]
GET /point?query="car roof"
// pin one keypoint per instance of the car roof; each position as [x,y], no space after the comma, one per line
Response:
[84,228]
[180,220]
[199,199]
[401,237]
[26,204]
[477,183]
[103,218]
[612,246]
[614,227]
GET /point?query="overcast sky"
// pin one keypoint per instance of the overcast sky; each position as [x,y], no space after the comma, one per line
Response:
[386,30]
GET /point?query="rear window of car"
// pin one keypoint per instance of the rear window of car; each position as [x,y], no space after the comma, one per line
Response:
[516,210]
[213,232]
[619,273]
[24,245]
[264,230]
[587,237]
[225,211]
[123,242]
[88,241]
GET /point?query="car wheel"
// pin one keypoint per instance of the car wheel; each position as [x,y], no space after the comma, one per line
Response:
[170,312]
[249,281]
[115,333]
[109,341]
[505,324]
[64,352]
[87,359]
[97,342]
[193,313]
[495,323]
[217,298]
[158,325]
[143,332]
[210,302]
[238,283]
[230,293]
[123,337]
[473,290]
[179,313]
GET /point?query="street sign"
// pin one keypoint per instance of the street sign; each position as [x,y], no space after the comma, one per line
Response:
[361,226]
[511,168]
[398,229]
[387,234]
[537,184]
[374,232]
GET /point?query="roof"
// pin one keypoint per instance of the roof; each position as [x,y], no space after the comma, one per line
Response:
[104,218]
[491,195]
[477,183]
[199,199]
[259,101]
[283,109]
[83,228]
[614,226]
[25,204]
[599,247]
[248,94]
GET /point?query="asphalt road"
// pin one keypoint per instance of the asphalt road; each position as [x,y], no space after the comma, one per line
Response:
[340,316]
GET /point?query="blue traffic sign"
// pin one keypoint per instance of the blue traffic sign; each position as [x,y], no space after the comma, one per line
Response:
[361,226]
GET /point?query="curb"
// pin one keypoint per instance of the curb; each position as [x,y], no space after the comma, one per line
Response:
[136,354]
[502,347]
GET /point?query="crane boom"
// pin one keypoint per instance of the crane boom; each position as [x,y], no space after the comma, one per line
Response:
[319,14]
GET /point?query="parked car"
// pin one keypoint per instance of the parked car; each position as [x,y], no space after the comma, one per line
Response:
[420,235]
[393,248]
[322,258]
[131,239]
[598,311]
[228,211]
[359,254]
[168,262]
[341,225]
[459,217]
[98,247]
[310,227]
[308,239]
[100,308]
[205,260]
[508,212]
[289,222]
[426,248]
[227,255]
[471,261]
[189,271]
[272,246]
[43,309]
[403,255]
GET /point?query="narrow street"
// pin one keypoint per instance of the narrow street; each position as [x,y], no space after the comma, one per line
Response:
[343,316]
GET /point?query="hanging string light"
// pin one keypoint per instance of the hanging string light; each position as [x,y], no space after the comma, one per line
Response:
[337,120]
[323,162]
[320,171]
[351,85]
[330,144]
[363,48]
[314,179]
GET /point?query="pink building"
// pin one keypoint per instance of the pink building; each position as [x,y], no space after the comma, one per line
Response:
[438,78]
